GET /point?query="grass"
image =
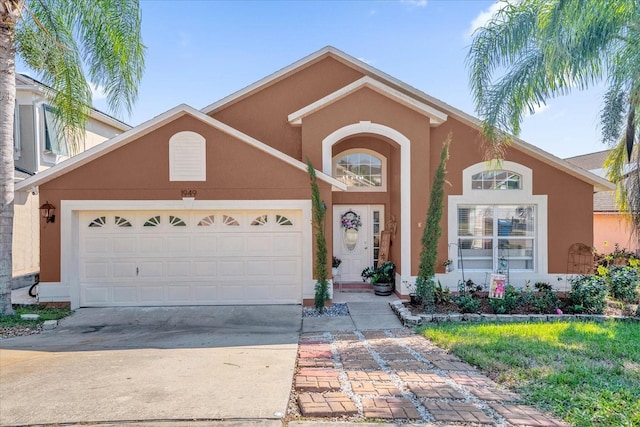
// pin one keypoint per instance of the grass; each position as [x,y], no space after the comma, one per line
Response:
[46,313]
[585,373]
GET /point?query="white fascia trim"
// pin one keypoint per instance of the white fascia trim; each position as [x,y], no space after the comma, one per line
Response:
[405,175]
[599,184]
[70,240]
[268,80]
[436,117]
[147,127]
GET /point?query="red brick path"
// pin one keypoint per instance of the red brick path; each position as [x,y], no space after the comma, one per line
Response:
[398,375]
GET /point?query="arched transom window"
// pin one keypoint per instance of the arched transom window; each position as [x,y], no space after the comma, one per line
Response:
[361,170]
[496,180]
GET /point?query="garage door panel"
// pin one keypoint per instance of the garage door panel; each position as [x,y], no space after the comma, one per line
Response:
[205,269]
[259,268]
[229,243]
[96,246]
[151,244]
[149,269]
[231,268]
[124,246]
[95,296]
[124,295]
[205,245]
[150,294]
[178,245]
[95,270]
[123,270]
[206,294]
[223,260]
[178,269]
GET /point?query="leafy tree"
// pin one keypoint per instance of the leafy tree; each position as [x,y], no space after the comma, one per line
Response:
[533,50]
[320,269]
[59,39]
[432,231]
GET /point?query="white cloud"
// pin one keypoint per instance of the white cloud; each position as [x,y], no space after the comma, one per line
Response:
[484,17]
[366,61]
[539,109]
[418,3]
[97,92]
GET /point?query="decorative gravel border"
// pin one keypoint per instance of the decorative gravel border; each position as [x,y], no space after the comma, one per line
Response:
[409,320]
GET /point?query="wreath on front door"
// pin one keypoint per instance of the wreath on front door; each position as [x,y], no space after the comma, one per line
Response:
[350,220]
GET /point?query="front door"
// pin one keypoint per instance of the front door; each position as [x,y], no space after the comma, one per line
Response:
[356,238]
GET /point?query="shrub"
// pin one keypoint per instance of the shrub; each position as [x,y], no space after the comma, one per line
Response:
[588,294]
[547,300]
[467,303]
[513,299]
[441,295]
[623,283]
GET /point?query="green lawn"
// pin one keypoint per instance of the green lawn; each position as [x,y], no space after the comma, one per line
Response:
[585,373]
[46,313]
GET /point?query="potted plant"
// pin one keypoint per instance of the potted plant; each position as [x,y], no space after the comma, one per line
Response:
[335,263]
[448,265]
[381,277]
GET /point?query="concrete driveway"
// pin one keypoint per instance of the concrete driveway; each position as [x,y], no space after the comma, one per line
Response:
[152,364]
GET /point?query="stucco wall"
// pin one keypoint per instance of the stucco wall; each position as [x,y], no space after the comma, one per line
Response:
[26,237]
[140,171]
[609,229]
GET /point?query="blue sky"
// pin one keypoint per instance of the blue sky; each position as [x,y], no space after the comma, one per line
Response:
[201,51]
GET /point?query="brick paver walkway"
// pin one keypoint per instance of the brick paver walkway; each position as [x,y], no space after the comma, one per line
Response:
[398,375]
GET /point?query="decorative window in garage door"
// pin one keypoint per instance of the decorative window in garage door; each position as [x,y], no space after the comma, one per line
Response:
[283,220]
[207,221]
[176,221]
[122,222]
[98,222]
[154,221]
[229,220]
[261,220]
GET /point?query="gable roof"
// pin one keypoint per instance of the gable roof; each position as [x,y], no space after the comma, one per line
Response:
[599,184]
[147,127]
[27,83]
[436,117]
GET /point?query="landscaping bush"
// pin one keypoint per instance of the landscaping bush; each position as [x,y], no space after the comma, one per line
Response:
[588,294]
[623,283]
[546,301]
[513,299]
[467,303]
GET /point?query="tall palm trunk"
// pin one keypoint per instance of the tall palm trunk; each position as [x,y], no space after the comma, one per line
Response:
[9,14]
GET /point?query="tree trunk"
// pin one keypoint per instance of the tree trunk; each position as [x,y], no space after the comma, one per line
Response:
[9,12]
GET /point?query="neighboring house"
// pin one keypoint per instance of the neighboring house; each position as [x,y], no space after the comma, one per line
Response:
[213,206]
[37,147]
[609,224]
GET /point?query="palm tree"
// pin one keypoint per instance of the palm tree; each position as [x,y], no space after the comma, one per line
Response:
[59,39]
[533,50]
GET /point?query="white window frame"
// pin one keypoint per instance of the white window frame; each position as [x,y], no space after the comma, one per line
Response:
[194,145]
[523,196]
[383,168]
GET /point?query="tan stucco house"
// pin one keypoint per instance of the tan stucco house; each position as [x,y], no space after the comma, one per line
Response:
[213,206]
[37,147]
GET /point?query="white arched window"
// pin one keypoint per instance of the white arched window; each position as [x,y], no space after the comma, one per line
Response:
[361,170]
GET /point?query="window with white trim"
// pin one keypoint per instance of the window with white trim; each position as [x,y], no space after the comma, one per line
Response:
[496,180]
[488,233]
[187,157]
[361,170]
[498,218]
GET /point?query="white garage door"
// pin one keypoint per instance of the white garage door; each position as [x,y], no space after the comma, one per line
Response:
[156,258]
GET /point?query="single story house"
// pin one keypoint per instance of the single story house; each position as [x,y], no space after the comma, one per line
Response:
[213,206]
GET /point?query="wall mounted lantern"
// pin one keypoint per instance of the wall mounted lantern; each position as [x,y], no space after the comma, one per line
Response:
[48,212]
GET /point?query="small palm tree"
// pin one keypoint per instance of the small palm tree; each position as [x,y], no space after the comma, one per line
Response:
[546,48]
[58,39]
